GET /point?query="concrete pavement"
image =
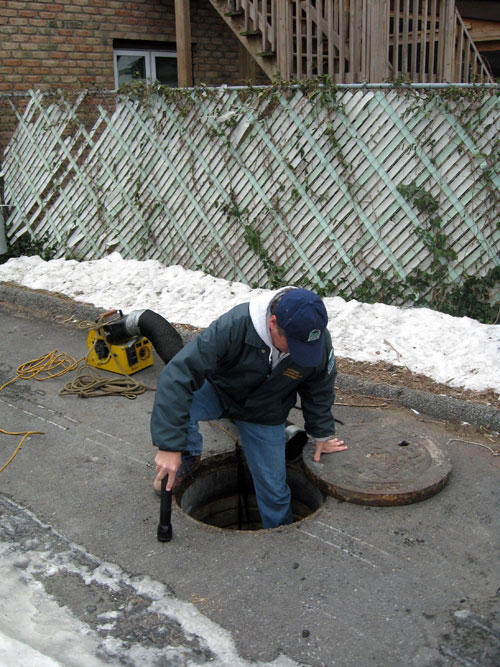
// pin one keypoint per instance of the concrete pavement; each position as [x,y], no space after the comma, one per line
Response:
[351,585]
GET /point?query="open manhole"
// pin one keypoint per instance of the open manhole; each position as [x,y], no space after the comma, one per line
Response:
[222,494]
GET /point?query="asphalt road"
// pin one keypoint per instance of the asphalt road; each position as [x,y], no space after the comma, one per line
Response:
[351,585]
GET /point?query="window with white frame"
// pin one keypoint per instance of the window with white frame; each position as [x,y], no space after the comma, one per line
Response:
[134,63]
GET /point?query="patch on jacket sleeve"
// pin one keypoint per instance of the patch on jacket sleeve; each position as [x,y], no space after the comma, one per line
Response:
[292,373]
[331,362]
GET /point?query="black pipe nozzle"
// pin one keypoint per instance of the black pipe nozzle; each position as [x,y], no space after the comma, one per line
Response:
[165,526]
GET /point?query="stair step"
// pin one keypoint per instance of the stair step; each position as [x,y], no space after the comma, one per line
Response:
[235,12]
[266,54]
[251,33]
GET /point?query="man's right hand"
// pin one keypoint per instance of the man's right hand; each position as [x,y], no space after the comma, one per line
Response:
[167,464]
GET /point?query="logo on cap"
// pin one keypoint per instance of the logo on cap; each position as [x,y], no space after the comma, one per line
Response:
[314,335]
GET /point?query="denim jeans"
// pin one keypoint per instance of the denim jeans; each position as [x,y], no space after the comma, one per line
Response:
[264,449]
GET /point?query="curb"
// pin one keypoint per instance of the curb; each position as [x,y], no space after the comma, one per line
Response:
[443,407]
[434,405]
[50,304]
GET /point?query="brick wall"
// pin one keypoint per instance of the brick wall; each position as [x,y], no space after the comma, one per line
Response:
[48,44]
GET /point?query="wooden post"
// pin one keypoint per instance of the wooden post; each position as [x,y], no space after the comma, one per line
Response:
[378,51]
[283,51]
[246,66]
[447,27]
[183,41]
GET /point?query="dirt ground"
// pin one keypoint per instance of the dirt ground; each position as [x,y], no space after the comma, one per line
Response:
[385,373]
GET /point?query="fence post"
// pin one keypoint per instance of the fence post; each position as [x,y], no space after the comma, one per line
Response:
[284,41]
[378,39]
[183,39]
[3,240]
[447,28]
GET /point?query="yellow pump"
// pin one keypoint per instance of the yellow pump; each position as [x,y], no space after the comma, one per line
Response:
[111,352]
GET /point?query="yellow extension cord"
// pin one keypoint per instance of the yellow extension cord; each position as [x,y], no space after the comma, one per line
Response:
[25,434]
[49,366]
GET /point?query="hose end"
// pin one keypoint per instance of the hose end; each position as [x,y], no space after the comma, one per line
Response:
[164,532]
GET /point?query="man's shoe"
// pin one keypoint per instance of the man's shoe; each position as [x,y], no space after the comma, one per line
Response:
[189,464]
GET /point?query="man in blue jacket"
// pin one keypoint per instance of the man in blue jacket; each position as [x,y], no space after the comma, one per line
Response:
[249,365]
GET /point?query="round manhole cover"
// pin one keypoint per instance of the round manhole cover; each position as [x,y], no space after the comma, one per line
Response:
[387,469]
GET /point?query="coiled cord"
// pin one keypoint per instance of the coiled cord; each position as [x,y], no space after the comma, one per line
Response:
[50,365]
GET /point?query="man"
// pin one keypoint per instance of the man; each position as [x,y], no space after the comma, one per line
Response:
[249,365]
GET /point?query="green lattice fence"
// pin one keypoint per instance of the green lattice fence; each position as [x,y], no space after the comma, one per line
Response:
[262,185]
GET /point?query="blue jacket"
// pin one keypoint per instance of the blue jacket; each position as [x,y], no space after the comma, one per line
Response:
[234,359]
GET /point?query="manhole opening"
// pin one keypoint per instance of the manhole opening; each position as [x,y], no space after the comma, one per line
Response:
[222,495]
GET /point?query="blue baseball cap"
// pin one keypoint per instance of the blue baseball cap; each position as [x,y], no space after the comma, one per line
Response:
[302,316]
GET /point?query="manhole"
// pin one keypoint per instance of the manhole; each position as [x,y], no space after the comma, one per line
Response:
[222,494]
[384,468]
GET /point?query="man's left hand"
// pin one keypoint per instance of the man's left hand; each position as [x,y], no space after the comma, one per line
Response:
[328,447]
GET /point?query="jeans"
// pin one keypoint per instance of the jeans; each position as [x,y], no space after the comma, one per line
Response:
[264,449]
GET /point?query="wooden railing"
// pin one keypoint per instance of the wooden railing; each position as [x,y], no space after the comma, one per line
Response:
[260,21]
[361,40]
[468,64]
[428,42]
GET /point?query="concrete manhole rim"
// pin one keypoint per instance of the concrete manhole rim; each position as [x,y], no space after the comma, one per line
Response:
[229,459]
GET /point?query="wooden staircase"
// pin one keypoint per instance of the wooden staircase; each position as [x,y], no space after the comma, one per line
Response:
[254,24]
[356,41]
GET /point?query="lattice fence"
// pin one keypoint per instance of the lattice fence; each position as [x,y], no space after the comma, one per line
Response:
[257,184]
